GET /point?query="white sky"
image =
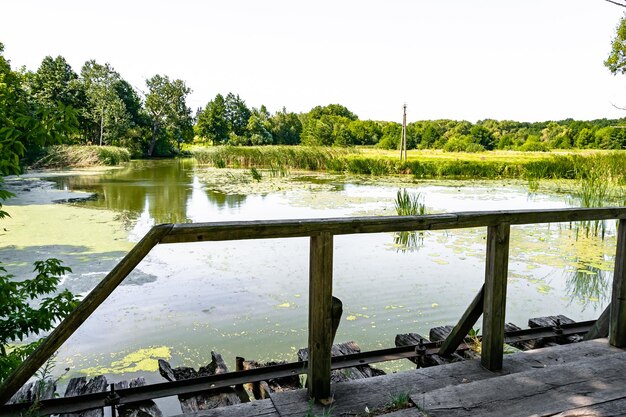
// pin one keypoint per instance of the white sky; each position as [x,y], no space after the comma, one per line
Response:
[524,60]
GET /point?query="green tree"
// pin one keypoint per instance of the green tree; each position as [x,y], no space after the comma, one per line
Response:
[55,81]
[616,62]
[166,104]
[483,136]
[286,128]
[106,111]
[25,125]
[237,114]
[19,319]
[211,122]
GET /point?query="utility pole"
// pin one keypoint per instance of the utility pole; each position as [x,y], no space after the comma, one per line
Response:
[101,125]
[403,138]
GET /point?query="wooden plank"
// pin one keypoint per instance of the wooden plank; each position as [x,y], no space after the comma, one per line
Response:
[261,408]
[191,403]
[427,360]
[494,306]
[35,391]
[88,305]
[601,327]
[617,325]
[538,392]
[139,409]
[320,316]
[264,229]
[350,398]
[465,324]
[345,374]
[613,408]
[81,386]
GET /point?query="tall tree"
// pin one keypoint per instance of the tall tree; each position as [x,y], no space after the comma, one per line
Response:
[25,125]
[107,111]
[237,114]
[55,81]
[167,106]
[286,128]
[212,123]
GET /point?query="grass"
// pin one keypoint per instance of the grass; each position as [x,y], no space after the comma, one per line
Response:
[409,204]
[65,156]
[531,166]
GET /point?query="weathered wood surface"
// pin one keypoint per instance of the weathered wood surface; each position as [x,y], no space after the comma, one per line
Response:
[439,333]
[536,392]
[261,408]
[191,403]
[353,396]
[36,390]
[601,327]
[264,229]
[262,389]
[552,321]
[523,345]
[494,304]
[138,409]
[320,315]
[169,233]
[82,386]
[613,408]
[465,324]
[617,326]
[346,374]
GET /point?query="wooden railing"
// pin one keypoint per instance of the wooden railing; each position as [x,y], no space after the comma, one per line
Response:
[490,302]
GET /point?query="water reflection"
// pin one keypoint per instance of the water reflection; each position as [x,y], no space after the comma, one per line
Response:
[153,192]
[588,285]
[408,241]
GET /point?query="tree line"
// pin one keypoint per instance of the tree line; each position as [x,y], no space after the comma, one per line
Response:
[55,104]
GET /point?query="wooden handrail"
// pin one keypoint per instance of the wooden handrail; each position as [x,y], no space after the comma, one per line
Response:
[321,231]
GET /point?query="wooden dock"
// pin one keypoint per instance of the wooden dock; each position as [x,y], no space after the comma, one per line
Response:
[580,379]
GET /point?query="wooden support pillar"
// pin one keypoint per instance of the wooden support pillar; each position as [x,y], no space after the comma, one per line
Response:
[617,325]
[494,305]
[320,316]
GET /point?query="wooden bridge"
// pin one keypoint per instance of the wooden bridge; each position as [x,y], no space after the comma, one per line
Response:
[490,302]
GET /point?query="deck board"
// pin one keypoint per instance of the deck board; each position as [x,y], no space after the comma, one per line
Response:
[353,396]
[538,392]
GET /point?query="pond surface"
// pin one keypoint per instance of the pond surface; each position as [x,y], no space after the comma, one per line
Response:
[250,298]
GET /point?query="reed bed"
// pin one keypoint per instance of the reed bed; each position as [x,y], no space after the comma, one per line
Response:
[488,166]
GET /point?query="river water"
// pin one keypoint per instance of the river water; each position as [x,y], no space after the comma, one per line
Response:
[249,298]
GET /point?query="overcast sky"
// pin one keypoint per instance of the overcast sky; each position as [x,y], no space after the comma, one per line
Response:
[523,60]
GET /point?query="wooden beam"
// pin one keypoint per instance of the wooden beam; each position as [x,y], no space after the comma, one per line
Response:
[617,326]
[269,229]
[320,316]
[601,327]
[87,306]
[494,305]
[465,324]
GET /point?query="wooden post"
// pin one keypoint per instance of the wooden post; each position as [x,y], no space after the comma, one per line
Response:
[320,316]
[494,305]
[617,326]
